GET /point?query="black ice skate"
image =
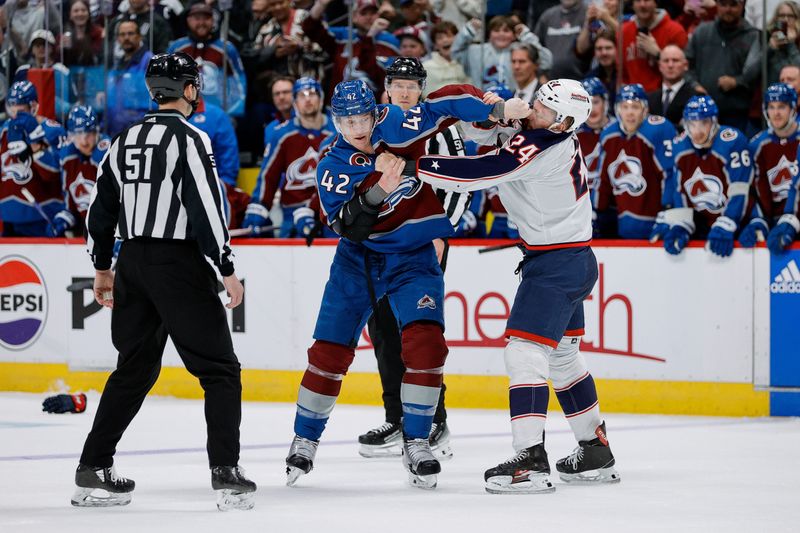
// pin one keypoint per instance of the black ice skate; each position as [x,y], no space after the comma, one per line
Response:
[528,472]
[420,463]
[300,459]
[101,487]
[591,462]
[383,441]
[234,491]
[440,441]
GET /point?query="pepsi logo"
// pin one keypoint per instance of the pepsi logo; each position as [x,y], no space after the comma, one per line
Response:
[23,303]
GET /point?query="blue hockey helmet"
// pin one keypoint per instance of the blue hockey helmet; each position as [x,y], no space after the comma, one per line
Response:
[306,84]
[700,107]
[633,92]
[780,92]
[352,97]
[595,87]
[501,90]
[22,93]
[82,119]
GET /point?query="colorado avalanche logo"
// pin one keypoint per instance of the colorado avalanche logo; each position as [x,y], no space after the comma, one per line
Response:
[302,173]
[626,175]
[23,303]
[15,170]
[780,178]
[706,192]
[360,160]
[80,191]
[408,188]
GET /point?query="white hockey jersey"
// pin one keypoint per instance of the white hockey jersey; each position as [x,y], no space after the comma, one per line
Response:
[542,180]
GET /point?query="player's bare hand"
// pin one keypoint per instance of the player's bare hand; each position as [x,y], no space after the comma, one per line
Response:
[392,172]
[384,161]
[516,108]
[491,98]
[235,290]
[104,288]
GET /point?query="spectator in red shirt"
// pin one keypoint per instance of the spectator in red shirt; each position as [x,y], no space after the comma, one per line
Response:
[643,37]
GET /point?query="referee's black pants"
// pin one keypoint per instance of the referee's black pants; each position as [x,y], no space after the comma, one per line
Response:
[385,335]
[167,288]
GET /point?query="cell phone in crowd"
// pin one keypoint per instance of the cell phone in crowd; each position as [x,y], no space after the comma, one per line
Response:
[644,30]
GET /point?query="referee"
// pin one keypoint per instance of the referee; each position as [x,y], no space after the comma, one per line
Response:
[158,187]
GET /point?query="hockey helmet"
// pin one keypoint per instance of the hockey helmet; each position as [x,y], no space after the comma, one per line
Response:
[700,108]
[306,84]
[595,87]
[568,99]
[501,90]
[352,97]
[780,92]
[82,119]
[407,68]
[168,75]
[22,93]
[633,92]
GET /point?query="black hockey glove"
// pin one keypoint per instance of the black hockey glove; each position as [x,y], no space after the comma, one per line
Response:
[65,403]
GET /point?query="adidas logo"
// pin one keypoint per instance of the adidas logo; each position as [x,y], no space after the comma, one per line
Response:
[788,281]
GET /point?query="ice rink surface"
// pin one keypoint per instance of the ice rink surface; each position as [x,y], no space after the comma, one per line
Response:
[678,474]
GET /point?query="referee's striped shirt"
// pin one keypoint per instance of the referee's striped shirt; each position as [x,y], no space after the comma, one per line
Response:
[159,180]
[449,142]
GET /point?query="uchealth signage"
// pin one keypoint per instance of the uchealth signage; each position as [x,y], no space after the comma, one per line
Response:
[650,316]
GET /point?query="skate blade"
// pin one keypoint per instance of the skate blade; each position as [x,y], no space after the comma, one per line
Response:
[228,499]
[376,452]
[423,482]
[592,477]
[293,474]
[443,451]
[534,484]
[84,497]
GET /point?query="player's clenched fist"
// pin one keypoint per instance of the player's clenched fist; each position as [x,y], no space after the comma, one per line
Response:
[392,169]
[516,108]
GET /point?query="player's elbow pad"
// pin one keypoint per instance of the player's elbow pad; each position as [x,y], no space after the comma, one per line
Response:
[357,219]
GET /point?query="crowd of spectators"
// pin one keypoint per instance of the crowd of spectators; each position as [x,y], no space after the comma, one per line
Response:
[251,51]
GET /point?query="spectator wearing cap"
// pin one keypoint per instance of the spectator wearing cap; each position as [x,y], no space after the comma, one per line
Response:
[25,17]
[155,38]
[717,54]
[442,69]
[557,29]
[490,63]
[643,37]
[374,48]
[42,48]
[414,42]
[418,13]
[82,40]
[127,95]
[218,72]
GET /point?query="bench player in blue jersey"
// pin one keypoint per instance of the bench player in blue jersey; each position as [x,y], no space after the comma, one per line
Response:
[541,176]
[387,223]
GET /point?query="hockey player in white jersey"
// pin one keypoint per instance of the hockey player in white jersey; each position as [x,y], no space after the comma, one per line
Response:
[541,177]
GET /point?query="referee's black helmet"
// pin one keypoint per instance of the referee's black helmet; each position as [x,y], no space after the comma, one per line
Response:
[406,68]
[168,75]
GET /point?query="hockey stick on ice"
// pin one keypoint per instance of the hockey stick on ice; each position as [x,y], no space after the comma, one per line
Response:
[498,247]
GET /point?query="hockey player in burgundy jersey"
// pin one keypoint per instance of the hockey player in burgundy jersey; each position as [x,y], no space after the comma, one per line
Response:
[774,154]
[589,137]
[387,223]
[290,159]
[712,177]
[29,166]
[785,231]
[79,160]
[541,177]
[636,165]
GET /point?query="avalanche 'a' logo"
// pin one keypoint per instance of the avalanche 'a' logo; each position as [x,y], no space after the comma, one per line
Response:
[302,172]
[360,160]
[23,303]
[15,170]
[80,190]
[625,174]
[408,188]
[780,178]
[706,192]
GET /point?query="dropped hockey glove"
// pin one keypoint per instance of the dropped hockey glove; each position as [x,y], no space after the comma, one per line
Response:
[750,234]
[720,238]
[676,240]
[65,403]
[783,234]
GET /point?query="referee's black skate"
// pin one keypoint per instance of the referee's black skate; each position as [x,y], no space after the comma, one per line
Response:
[383,441]
[101,487]
[300,460]
[420,463]
[590,463]
[440,441]
[234,491]
[528,472]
